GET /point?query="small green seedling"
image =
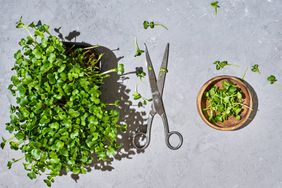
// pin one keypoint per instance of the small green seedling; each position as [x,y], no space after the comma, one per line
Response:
[136,95]
[215,6]
[147,24]
[224,102]
[221,64]
[255,68]
[138,51]
[272,79]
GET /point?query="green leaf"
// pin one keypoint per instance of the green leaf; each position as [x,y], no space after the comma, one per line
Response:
[73,113]
[51,78]
[20,136]
[14,145]
[21,90]
[74,134]
[255,68]
[36,154]
[15,80]
[31,175]
[215,6]
[19,23]
[136,95]
[272,79]
[145,24]
[52,58]
[59,145]
[9,164]
[47,182]
[54,125]
[220,64]
[62,68]
[120,69]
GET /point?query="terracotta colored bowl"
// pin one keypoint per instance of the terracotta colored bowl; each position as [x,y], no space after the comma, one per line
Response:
[231,123]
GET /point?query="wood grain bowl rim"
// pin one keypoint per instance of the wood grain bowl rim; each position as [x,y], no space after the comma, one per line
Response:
[201,93]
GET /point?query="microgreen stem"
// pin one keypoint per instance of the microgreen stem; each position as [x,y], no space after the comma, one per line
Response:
[26,28]
[245,72]
[91,47]
[158,24]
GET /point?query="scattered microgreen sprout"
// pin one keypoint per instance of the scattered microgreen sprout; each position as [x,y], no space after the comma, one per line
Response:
[147,24]
[224,102]
[137,96]
[222,64]
[215,6]
[255,68]
[272,79]
[59,121]
[138,51]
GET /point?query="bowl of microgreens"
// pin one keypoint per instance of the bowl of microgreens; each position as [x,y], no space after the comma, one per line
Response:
[225,103]
[59,122]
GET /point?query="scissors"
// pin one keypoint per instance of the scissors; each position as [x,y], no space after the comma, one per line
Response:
[157,107]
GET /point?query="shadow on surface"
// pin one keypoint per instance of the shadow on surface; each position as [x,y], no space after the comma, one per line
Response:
[113,89]
[255,104]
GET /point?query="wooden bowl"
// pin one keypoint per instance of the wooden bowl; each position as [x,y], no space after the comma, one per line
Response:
[231,123]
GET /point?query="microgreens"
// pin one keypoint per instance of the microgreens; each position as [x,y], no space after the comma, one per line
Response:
[215,6]
[272,79]
[147,24]
[224,102]
[59,120]
[138,51]
[222,64]
[255,68]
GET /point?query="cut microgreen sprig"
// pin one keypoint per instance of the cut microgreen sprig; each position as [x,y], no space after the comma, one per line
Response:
[221,64]
[224,102]
[138,51]
[272,79]
[137,96]
[152,24]
[215,6]
[255,68]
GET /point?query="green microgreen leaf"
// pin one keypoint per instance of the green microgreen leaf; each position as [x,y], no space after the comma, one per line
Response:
[272,79]
[255,68]
[120,69]
[221,64]
[215,5]
[152,24]
[224,102]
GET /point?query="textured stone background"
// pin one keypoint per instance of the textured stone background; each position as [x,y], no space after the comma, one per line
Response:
[243,32]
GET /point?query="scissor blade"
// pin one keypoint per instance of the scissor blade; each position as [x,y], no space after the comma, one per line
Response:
[151,73]
[163,70]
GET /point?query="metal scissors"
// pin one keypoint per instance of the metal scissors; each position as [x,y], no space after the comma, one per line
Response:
[157,107]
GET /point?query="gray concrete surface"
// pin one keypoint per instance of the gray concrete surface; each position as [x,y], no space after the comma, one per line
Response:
[243,32]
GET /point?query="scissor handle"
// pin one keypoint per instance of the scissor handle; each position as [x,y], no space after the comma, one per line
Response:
[147,135]
[168,135]
[136,140]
